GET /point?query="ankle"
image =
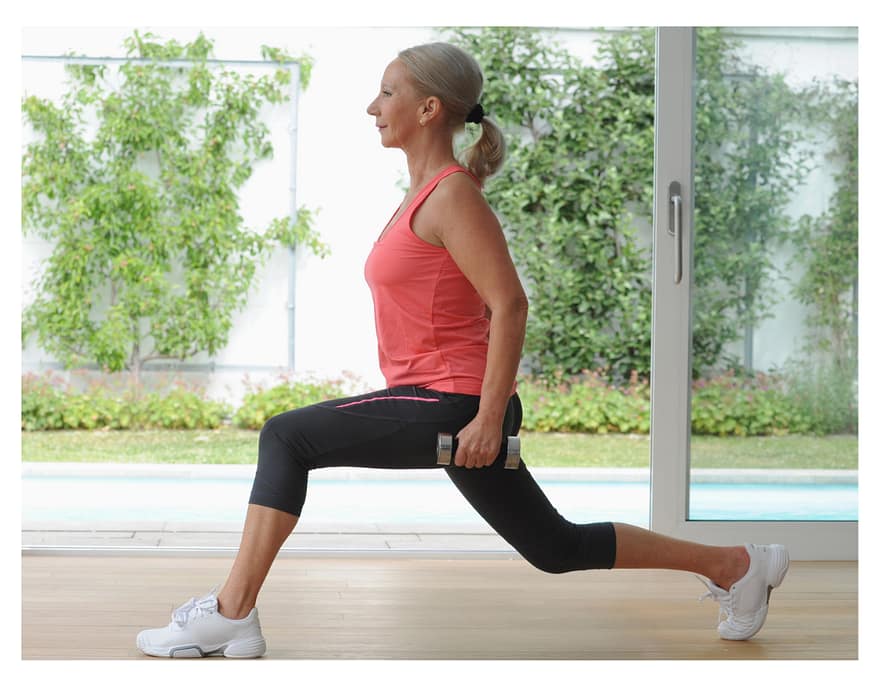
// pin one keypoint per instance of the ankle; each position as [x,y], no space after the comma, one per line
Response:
[233,609]
[734,567]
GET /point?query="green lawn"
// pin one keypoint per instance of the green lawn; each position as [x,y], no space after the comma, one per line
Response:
[229,445]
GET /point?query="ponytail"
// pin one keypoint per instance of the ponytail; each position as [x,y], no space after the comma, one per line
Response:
[485,157]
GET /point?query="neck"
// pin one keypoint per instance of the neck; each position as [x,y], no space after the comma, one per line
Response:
[427,161]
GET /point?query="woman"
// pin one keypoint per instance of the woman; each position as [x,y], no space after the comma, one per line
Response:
[450,315]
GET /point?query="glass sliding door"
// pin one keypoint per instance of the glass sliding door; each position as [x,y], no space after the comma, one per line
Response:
[754,387]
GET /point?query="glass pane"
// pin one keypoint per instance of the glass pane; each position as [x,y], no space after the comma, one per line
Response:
[774,345]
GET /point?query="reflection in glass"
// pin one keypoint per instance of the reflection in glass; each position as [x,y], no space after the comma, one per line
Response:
[775,272]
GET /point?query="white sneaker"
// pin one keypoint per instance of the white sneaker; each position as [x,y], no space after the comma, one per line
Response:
[197,630]
[744,608]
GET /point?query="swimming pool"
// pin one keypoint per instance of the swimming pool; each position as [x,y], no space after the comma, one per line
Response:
[432,500]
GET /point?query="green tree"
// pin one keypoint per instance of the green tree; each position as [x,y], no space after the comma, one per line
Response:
[578,170]
[825,380]
[750,158]
[827,245]
[151,256]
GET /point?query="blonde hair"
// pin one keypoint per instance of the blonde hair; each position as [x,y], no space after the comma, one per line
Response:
[454,77]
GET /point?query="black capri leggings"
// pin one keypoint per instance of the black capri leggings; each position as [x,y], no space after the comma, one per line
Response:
[398,428]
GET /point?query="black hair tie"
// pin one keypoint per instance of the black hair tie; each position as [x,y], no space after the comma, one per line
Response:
[475,115]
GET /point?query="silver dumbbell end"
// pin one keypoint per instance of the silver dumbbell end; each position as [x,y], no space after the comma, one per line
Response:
[512,459]
[445,448]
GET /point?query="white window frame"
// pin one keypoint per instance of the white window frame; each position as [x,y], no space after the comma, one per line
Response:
[671,336]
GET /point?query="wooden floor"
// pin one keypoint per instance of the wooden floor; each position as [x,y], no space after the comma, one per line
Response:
[91,607]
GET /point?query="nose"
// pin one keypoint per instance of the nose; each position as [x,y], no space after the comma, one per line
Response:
[372,108]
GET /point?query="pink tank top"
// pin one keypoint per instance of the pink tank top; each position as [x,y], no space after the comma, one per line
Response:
[432,328]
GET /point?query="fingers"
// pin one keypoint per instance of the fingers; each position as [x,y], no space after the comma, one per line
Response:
[465,459]
[475,456]
[478,445]
[468,461]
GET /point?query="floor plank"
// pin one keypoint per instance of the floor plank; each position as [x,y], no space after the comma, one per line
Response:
[91,607]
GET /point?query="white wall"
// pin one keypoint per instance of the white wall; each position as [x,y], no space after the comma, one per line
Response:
[343,171]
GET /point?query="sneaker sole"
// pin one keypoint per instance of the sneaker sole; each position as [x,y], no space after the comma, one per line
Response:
[239,648]
[779,565]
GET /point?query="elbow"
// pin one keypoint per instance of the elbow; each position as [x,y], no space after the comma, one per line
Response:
[515,308]
[523,303]
[520,306]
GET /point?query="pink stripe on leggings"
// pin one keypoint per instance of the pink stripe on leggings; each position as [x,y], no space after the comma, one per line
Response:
[365,401]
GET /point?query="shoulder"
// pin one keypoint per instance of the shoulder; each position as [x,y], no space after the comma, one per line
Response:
[461,181]
[455,206]
[457,210]
[459,194]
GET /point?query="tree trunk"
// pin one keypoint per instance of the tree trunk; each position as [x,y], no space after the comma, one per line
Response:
[136,366]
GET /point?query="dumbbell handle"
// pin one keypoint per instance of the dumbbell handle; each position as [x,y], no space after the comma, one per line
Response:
[448,444]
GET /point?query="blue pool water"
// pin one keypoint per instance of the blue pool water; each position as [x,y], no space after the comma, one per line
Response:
[774,502]
[433,502]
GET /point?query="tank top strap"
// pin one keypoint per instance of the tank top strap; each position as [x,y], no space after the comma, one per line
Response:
[432,184]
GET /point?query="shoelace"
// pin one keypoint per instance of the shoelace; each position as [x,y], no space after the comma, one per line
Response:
[725,608]
[195,607]
[723,600]
[711,593]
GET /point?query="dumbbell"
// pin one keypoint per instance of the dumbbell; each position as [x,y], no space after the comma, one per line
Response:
[510,449]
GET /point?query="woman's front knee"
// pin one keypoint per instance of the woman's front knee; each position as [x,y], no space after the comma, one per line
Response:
[283,428]
[588,546]
[278,438]
[547,562]
[268,437]
[268,430]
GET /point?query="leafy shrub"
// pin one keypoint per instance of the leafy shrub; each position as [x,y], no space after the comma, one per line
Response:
[42,403]
[820,402]
[827,393]
[587,403]
[725,405]
[260,403]
[182,409]
[48,403]
[731,404]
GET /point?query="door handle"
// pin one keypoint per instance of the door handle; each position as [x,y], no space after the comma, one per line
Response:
[675,224]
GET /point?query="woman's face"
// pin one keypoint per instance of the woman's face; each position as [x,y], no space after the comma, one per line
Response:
[395,108]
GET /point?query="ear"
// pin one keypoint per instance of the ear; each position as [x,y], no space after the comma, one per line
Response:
[430,108]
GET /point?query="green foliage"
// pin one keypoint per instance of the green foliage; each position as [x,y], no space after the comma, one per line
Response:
[729,404]
[742,406]
[827,393]
[260,403]
[580,170]
[827,245]
[47,403]
[305,62]
[151,256]
[297,233]
[579,159]
[587,403]
[750,160]
[41,404]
